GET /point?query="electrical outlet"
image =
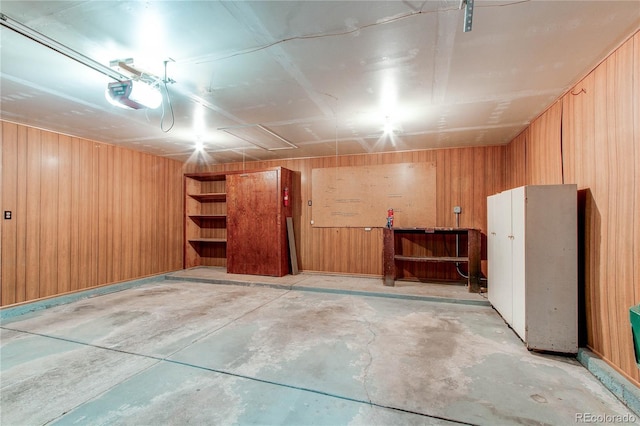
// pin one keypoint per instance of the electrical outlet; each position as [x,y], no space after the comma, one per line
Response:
[7,214]
[457,209]
[309,203]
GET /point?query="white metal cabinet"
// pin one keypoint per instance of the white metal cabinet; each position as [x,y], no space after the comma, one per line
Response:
[532,264]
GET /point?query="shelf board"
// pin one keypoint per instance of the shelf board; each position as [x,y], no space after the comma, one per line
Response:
[220,176]
[431,258]
[208,240]
[211,196]
[438,230]
[207,216]
[207,176]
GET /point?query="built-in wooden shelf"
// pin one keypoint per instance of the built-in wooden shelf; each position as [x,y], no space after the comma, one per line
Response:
[211,196]
[215,176]
[207,177]
[224,226]
[208,240]
[198,217]
[431,259]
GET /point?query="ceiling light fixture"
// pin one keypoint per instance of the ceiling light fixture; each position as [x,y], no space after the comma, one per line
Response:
[388,126]
[132,94]
[42,39]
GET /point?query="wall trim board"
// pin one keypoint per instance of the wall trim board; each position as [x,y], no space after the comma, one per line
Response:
[615,379]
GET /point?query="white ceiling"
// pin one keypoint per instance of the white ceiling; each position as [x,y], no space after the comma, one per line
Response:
[324,75]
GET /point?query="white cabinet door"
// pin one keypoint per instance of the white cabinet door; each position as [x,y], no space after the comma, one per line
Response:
[518,280]
[499,254]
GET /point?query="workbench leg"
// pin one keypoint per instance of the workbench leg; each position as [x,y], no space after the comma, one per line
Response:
[388,258]
[474,244]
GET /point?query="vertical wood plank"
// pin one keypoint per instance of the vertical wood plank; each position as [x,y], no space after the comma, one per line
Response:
[111,214]
[175,198]
[49,198]
[34,151]
[94,208]
[156,250]
[77,180]
[21,216]
[568,139]
[636,137]
[543,150]
[9,260]
[147,207]
[116,214]
[137,217]
[478,190]
[128,257]
[467,194]
[64,214]
[635,75]
[612,212]
[159,242]
[88,240]
[102,198]
[442,184]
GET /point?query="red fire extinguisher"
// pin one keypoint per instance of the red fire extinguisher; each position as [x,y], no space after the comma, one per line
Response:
[285,198]
[390,218]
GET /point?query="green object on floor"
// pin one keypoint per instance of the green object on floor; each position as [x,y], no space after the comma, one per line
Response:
[634,316]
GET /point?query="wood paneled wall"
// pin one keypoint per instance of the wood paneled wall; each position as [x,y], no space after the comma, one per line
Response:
[545,141]
[84,214]
[599,150]
[465,177]
[516,161]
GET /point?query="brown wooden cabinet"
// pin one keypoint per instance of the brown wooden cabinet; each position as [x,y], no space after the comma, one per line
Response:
[238,219]
[256,224]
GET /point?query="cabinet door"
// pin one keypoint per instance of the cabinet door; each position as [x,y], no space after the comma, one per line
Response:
[518,243]
[499,253]
[253,223]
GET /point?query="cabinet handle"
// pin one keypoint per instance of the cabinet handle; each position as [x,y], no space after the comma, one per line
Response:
[493,233]
[511,237]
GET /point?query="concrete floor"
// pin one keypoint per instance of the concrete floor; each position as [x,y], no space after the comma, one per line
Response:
[183,352]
